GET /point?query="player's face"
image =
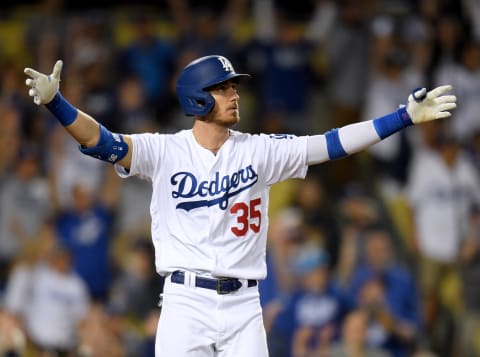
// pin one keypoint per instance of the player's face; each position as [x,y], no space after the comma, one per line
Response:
[226,109]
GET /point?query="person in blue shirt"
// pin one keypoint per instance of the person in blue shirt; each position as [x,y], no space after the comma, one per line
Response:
[312,315]
[85,230]
[389,292]
[151,59]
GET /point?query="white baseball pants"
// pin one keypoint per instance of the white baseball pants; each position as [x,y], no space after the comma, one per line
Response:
[199,322]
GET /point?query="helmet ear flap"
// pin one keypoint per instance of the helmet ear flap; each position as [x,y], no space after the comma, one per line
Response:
[198,103]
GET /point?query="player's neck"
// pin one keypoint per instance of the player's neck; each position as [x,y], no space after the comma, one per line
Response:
[210,136]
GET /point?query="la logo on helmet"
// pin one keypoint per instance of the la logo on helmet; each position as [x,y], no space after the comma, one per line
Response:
[227,66]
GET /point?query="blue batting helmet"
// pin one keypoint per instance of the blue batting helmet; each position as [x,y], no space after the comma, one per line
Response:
[198,76]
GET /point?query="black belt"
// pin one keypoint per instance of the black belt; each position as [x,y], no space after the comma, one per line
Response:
[221,285]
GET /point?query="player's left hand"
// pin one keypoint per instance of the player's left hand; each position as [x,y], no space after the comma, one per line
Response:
[425,106]
[43,87]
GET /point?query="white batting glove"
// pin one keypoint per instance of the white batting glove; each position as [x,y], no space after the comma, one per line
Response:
[43,87]
[423,106]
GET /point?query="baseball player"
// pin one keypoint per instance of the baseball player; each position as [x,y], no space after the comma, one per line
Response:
[210,197]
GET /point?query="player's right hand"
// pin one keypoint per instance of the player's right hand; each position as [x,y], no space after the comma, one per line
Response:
[43,87]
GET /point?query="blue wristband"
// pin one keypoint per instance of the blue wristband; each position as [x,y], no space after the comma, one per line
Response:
[62,109]
[391,123]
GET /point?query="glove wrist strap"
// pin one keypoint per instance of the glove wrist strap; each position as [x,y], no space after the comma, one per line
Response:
[62,110]
[393,122]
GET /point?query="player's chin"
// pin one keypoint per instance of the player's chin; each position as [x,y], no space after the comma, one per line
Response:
[231,119]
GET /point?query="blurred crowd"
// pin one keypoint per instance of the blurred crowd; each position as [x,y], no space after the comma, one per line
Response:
[377,254]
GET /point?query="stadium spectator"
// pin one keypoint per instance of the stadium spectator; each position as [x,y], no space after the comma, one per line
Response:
[442,189]
[58,300]
[354,338]
[464,74]
[279,53]
[24,205]
[392,73]
[401,296]
[151,58]
[310,318]
[86,230]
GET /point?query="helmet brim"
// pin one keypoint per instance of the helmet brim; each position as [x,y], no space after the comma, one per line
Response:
[239,77]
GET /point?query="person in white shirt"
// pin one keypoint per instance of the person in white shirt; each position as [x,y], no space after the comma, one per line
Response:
[58,300]
[443,188]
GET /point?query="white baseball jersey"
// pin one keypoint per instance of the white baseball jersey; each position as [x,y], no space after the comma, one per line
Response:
[209,211]
[442,198]
[57,303]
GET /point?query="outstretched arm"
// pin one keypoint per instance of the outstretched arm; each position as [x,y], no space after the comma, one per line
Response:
[94,139]
[421,107]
